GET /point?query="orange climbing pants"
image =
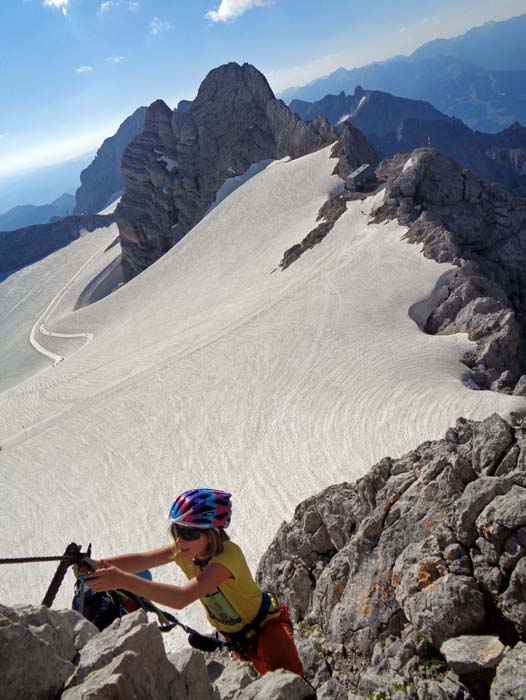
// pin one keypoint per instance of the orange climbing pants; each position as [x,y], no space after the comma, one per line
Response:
[275,647]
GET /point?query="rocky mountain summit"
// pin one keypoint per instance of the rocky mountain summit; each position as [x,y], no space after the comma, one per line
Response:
[372,111]
[175,168]
[395,124]
[102,181]
[479,228]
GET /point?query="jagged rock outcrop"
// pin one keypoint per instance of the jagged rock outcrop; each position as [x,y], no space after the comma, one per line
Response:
[175,167]
[47,654]
[351,150]
[422,550]
[27,245]
[395,124]
[102,181]
[372,111]
[481,229]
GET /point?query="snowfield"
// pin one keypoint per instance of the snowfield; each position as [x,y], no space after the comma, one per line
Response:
[215,368]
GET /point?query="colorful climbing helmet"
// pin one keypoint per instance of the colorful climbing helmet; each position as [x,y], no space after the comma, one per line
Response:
[202,508]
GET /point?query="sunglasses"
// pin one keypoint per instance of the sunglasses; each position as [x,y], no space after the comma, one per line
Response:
[187,534]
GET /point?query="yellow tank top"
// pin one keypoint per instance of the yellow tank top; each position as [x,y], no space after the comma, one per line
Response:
[237,600]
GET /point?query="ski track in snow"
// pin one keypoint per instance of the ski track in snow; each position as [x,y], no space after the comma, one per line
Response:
[39,323]
[211,369]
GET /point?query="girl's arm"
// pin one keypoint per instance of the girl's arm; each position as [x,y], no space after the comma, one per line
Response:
[109,577]
[141,560]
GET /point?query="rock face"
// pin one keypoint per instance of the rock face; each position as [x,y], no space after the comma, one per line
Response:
[102,178]
[47,654]
[422,550]
[460,219]
[175,167]
[396,124]
[26,245]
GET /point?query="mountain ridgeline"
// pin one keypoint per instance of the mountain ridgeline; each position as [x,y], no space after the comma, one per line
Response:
[175,168]
[396,124]
[478,77]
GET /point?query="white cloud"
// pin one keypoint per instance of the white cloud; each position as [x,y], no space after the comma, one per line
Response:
[231,9]
[115,59]
[59,4]
[84,69]
[108,4]
[158,25]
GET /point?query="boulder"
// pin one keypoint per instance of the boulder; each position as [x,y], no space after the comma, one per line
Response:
[128,643]
[277,685]
[470,654]
[236,676]
[191,666]
[510,679]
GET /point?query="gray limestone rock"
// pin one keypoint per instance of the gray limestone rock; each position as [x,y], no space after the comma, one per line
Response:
[128,638]
[423,549]
[126,676]
[469,654]
[277,685]
[37,650]
[175,167]
[332,690]
[235,677]
[192,668]
[510,679]
[460,219]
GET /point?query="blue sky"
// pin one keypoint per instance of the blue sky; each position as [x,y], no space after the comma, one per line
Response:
[72,70]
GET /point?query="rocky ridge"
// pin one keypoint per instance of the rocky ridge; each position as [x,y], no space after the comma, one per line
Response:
[176,166]
[102,181]
[395,124]
[26,245]
[48,654]
[481,229]
[410,583]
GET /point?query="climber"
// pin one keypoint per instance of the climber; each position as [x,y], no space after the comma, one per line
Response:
[252,621]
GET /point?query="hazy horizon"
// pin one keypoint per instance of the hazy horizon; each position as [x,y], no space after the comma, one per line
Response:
[103,60]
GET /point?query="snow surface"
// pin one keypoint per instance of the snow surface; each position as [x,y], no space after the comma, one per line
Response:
[169,163]
[215,368]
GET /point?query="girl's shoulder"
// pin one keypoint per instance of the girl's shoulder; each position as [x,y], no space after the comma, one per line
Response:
[232,552]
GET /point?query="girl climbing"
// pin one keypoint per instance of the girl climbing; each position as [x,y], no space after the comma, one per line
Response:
[251,620]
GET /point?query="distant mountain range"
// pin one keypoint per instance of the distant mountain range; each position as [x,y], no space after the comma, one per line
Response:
[42,186]
[478,77]
[29,214]
[393,124]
